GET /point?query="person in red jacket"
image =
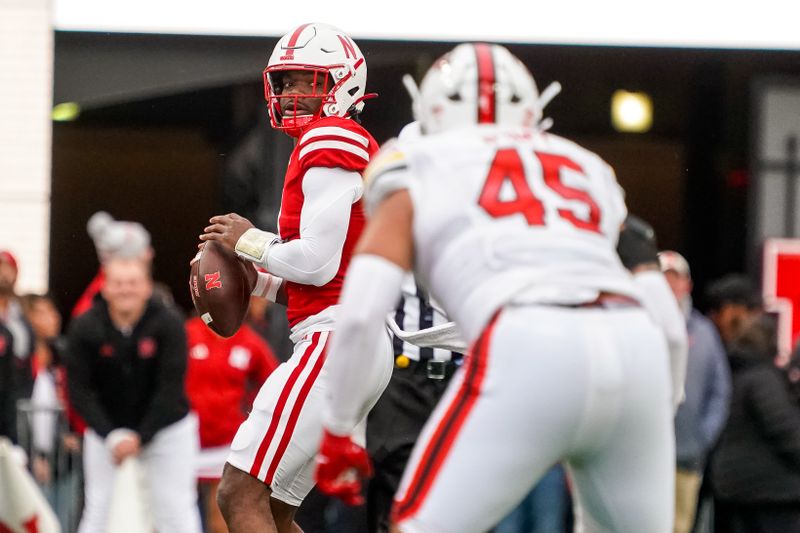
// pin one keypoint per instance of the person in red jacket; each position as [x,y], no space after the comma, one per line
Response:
[222,378]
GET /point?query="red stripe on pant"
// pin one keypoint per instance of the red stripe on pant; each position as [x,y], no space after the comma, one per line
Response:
[295,414]
[447,430]
[281,404]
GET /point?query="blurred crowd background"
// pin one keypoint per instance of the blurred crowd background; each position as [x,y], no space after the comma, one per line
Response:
[737,433]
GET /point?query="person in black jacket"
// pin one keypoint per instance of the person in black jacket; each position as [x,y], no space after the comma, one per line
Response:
[126,363]
[756,466]
[8,410]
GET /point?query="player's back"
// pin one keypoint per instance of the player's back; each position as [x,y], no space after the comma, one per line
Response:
[508,214]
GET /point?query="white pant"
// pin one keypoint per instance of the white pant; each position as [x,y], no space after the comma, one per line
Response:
[169,464]
[280,438]
[545,384]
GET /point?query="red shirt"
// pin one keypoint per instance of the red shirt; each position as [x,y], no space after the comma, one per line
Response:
[331,142]
[222,378]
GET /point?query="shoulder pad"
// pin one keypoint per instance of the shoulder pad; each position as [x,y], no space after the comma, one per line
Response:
[388,172]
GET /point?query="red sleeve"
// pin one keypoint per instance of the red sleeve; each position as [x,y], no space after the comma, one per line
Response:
[336,142]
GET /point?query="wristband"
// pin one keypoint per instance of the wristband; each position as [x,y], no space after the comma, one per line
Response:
[254,244]
[267,286]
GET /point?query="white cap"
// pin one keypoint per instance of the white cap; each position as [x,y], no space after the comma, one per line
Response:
[117,238]
[671,260]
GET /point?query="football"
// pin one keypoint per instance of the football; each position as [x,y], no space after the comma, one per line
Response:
[220,288]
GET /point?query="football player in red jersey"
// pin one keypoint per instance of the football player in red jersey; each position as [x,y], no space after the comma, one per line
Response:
[315,87]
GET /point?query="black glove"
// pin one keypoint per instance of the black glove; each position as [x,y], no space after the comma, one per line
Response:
[637,243]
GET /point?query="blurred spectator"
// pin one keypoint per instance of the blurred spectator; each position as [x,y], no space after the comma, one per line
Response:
[8,410]
[269,321]
[257,317]
[701,417]
[45,321]
[756,467]
[733,303]
[126,362]
[545,509]
[792,372]
[54,446]
[112,239]
[12,317]
[223,377]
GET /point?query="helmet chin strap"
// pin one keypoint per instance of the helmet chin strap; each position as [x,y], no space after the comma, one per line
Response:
[368,96]
[333,108]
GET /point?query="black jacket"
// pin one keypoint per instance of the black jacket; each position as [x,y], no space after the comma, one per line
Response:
[8,393]
[758,457]
[134,381]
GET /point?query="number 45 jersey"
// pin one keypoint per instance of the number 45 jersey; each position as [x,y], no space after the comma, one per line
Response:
[506,215]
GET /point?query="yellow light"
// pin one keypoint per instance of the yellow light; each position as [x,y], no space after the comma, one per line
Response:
[66,112]
[631,111]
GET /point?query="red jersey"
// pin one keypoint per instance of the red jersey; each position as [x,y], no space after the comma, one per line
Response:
[219,375]
[331,142]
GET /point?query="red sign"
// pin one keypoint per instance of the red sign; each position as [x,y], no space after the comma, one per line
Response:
[781,289]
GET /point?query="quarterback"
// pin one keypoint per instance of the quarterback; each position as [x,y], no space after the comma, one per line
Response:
[315,87]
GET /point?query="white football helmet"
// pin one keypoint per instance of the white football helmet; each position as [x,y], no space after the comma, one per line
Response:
[328,52]
[477,83]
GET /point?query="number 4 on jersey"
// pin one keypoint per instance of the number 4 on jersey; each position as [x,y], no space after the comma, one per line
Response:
[507,167]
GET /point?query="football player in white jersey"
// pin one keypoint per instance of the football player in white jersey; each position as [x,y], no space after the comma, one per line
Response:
[513,231]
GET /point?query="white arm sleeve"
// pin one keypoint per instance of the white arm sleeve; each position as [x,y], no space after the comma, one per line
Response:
[314,258]
[660,302]
[371,289]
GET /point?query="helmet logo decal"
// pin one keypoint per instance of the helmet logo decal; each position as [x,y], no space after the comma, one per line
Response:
[486,81]
[290,46]
[348,47]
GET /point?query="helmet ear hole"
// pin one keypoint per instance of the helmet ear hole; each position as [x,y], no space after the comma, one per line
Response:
[353,91]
